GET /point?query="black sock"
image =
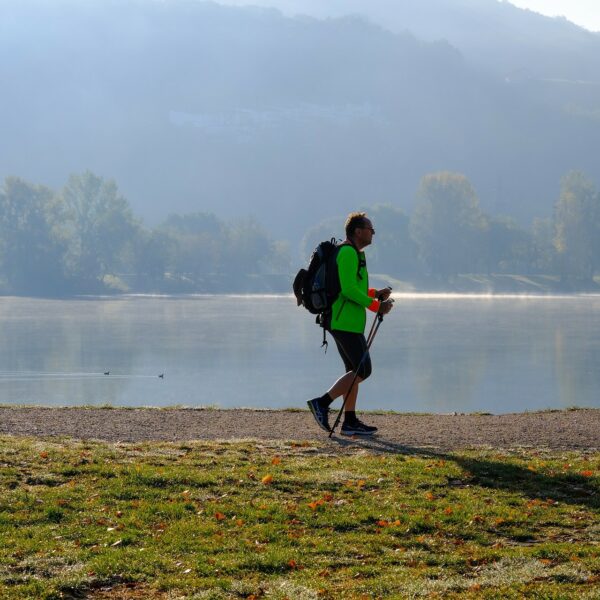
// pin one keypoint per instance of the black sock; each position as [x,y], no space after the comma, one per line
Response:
[325,400]
[349,416]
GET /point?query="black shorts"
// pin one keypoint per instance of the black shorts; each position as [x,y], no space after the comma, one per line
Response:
[352,348]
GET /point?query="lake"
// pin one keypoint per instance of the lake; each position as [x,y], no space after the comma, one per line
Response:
[433,353]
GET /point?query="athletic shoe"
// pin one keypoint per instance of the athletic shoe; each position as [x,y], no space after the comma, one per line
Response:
[320,413]
[357,428]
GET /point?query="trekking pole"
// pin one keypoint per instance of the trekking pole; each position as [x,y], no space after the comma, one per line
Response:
[376,323]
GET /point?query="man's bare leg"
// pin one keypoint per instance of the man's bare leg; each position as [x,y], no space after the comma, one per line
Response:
[340,388]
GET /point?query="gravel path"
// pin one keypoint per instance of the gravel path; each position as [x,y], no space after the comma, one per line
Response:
[560,430]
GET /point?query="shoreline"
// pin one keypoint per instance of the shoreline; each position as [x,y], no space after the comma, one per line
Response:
[289,409]
[399,292]
[567,429]
[471,284]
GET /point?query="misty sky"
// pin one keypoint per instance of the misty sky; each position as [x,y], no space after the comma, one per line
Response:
[585,13]
[238,111]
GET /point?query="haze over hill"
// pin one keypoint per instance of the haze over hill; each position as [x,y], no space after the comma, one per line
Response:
[492,33]
[194,106]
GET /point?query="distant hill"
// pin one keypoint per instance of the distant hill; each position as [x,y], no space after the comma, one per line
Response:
[491,33]
[195,106]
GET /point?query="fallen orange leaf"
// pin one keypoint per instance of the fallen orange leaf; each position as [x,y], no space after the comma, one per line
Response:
[43,454]
[267,479]
[587,473]
[276,460]
[219,516]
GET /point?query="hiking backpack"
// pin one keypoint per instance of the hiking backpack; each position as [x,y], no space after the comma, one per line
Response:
[318,287]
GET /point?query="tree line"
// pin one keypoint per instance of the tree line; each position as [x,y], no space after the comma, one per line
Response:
[85,239]
[448,234]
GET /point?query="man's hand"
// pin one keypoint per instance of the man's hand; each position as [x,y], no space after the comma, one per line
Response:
[383,294]
[386,306]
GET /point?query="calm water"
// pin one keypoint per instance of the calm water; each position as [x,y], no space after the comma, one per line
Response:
[432,353]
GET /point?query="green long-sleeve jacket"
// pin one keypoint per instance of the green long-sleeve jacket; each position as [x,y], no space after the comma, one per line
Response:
[348,311]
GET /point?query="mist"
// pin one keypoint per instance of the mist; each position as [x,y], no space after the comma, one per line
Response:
[293,117]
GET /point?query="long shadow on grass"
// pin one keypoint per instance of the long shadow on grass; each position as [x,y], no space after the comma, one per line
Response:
[564,487]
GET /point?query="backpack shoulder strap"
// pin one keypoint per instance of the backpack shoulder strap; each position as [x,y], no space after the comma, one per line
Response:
[361,262]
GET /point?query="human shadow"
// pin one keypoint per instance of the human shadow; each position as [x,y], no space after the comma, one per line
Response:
[571,488]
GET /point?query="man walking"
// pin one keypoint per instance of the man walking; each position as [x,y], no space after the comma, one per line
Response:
[347,325]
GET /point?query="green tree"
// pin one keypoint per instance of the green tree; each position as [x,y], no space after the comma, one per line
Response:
[209,254]
[332,227]
[193,224]
[150,254]
[249,247]
[196,245]
[31,248]
[99,226]
[447,224]
[543,259]
[577,227]
[394,251]
[508,247]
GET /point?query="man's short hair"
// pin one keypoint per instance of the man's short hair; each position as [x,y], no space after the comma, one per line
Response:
[355,221]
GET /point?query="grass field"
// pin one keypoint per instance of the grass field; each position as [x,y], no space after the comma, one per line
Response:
[294,520]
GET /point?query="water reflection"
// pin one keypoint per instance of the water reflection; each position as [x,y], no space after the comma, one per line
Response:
[432,354]
[577,358]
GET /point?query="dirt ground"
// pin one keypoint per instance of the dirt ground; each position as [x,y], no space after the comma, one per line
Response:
[557,430]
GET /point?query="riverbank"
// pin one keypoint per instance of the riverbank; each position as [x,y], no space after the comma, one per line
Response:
[577,429]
